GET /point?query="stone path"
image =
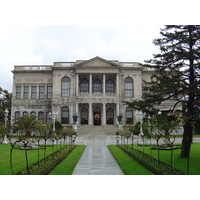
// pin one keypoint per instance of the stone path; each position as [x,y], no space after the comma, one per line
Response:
[96,159]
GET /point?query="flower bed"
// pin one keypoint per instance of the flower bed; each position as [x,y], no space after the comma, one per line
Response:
[151,163]
[47,165]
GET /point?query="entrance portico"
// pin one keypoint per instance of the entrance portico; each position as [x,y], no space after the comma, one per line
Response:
[97,113]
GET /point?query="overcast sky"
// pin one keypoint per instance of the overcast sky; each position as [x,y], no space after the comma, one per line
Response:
[36,34]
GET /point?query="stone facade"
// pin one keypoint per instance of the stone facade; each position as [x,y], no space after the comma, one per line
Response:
[92,89]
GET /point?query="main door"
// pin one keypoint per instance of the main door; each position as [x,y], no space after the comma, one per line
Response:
[97,116]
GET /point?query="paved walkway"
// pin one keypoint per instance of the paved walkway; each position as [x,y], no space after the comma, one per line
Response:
[96,159]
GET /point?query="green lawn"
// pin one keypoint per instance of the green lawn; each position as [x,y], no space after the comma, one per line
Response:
[67,166]
[180,163]
[126,163]
[19,158]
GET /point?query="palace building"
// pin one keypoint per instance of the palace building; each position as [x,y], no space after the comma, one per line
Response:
[93,89]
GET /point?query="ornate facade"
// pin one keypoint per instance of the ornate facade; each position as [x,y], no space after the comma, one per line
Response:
[93,89]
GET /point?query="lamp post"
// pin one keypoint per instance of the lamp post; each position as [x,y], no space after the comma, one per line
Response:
[6,119]
[53,116]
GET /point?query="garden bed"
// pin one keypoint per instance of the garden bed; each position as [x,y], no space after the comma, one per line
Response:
[150,163]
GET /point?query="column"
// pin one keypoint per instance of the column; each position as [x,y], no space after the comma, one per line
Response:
[104,83]
[77,112]
[90,88]
[77,84]
[117,112]
[104,114]
[117,84]
[90,114]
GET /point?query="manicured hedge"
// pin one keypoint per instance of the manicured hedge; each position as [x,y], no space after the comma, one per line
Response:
[151,163]
[51,161]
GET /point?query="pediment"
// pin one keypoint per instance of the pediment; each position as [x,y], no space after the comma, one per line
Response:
[97,62]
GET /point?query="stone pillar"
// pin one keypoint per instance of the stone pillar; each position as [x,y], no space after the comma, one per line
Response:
[117,84]
[104,114]
[77,84]
[77,112]
[104,83]
[90,114]
[90,86]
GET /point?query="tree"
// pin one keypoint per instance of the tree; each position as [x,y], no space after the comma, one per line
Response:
[176,77]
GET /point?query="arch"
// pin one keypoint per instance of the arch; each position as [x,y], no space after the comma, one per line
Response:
[110,116]
[65,87]
[97,86]
[129,115]
[65,115]
[84,86]
[109,86]
[84,116]
[129,87]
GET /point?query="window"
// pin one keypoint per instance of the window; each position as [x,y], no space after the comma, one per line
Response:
[84,87]
[84,116]
[41,92]
[128,87]
[129,115]
[109,86]
[33,113]
[65,115]
[26,89]
[48,117]
[49,92]
[25,113]
[17,115]
[65,87]
[33,92]
[18,92]
[41,116]
[97,86]
[110,116]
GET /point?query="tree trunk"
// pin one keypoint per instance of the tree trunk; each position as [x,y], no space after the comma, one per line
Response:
[187,140]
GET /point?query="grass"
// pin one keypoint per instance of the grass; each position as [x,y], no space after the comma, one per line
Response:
[67,166]
[126,163]
[178,162]
[18,158]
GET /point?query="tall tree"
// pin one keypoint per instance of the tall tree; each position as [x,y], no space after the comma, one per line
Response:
[176,77]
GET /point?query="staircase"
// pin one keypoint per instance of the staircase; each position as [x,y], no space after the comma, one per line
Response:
[96,130]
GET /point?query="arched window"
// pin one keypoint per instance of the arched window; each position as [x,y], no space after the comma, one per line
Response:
[84,87]
[17,115]
[110,116]
[84,116]
[48,117]
[129,115]
[128,87]
[65,115]
[41,116]
[97,86]
[109,86]
[65,87]
[33,113]
[25,113]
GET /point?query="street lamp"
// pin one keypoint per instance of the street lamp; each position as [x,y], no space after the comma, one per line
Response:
[53,116]
[6,119]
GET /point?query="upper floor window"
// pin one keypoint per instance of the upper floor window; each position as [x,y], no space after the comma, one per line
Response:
[84,86]
[97,86]
[26,90]
[41,92]
[109,86]
[33,92]
[18,92]
[65,87]
[49,92]
[128,87]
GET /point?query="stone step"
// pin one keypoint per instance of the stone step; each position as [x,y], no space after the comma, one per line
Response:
[96,130]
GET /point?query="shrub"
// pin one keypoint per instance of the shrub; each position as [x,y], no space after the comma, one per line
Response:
[151,163]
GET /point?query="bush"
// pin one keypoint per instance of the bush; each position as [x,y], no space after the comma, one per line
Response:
[151,163]
[51,161]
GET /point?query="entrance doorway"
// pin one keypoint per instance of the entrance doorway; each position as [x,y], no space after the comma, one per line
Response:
[97,117]
[84,116]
